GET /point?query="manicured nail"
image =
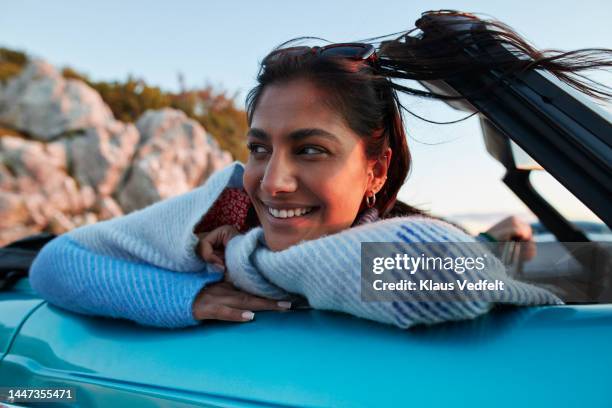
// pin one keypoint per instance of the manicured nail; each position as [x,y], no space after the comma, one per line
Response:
[248,315]
[284,305]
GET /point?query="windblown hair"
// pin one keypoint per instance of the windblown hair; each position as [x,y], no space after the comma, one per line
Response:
[443,46]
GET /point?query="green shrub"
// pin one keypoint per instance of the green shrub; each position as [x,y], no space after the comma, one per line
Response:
[16,57]
[11,63]
[130,99]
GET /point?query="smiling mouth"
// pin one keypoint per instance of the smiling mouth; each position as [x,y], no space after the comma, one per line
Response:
[290,213]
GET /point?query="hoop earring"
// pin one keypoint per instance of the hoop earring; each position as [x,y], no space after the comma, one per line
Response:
[371,200]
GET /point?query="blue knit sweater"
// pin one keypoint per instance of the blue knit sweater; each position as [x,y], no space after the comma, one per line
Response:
[144,267]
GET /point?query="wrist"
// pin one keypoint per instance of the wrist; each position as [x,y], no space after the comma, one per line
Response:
[196,301]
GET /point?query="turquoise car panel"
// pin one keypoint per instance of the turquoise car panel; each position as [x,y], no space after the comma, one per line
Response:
[15,306]
[558,355]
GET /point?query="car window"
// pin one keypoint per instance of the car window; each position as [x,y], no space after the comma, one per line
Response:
[569,206]
[577,272]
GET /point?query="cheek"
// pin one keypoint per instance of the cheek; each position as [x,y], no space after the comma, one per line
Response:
[250,179]
[342,199]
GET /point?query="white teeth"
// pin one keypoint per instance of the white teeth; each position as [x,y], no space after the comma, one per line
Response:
[294,212]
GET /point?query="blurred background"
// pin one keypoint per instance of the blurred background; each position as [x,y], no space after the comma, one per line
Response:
[107,107]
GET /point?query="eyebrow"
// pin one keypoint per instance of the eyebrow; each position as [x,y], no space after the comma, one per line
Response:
[296,135]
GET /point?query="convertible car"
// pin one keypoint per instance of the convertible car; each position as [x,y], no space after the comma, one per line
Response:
[537,356]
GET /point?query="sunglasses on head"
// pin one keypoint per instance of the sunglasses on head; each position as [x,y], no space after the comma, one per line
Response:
[354,51]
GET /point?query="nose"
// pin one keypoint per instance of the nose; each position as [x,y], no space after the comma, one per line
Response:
[279,176]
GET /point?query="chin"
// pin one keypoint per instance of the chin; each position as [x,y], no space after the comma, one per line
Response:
[279,244]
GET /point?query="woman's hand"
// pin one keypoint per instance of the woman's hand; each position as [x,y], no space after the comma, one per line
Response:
[222,301]
[511,229]
[211,247]
[514,229]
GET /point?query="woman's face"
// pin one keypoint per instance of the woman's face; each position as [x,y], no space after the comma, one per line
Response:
[307,172]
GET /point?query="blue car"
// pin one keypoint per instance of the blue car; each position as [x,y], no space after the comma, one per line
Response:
[539,356]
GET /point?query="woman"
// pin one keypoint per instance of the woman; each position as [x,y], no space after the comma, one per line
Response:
[328,153]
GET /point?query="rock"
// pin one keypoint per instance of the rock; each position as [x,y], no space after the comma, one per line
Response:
[71,199]
[139,191]
[40,102]
[87,218]
[13,210]
[40,180]
[17,232]
[217,160]
[59,223]
[174,156]
[7,181]
[107,208]
[75,164]
[32,164]
[101,156]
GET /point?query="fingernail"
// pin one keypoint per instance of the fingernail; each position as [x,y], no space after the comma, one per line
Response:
[284,305]
[248,315]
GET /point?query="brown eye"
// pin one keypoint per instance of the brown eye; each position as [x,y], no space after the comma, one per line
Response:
[310,150]
[256,148]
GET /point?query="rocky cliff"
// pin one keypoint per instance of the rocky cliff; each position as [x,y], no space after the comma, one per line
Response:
[74,164]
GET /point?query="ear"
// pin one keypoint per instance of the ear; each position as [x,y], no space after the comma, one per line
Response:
[378,171]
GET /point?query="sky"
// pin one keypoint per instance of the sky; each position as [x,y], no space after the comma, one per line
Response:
[221,43]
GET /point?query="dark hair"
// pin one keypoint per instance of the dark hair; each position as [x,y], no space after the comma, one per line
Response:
[366,96]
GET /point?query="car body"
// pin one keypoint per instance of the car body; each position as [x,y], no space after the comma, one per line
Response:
[538,356]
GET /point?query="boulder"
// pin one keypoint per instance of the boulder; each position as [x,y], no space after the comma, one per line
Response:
[60,223]
[40,182]
[175,155]
[41,103]
[32,165]
[7,181]
[66,162]
[100,157]
[107,208]
[13,210]
[17,232]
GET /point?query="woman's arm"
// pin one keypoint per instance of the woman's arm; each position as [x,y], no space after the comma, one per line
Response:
[142,266]
[78,279]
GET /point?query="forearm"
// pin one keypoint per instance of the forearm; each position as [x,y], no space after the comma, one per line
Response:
[78,279]
[163,233]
